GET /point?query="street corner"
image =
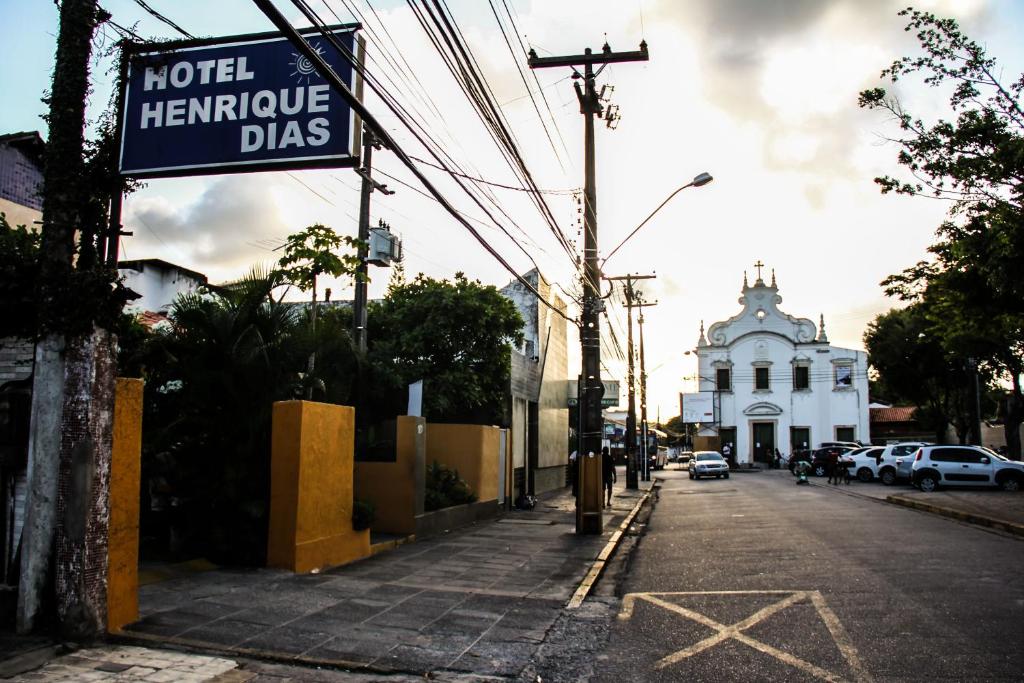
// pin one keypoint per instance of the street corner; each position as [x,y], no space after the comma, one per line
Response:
[740,635]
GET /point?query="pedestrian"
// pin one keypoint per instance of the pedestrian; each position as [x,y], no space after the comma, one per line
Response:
[778,459]
[573,471]
[608,474]
[726,452]
[833,467]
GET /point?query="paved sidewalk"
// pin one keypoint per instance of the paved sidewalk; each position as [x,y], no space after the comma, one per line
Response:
[990,508]
[478,600]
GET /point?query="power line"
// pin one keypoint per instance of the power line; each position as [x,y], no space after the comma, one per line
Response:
[278,19]
[144,5]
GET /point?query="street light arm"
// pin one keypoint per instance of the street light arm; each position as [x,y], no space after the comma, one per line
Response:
[702,179]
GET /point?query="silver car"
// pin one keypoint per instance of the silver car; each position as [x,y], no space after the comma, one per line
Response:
[890,470]
[708,464]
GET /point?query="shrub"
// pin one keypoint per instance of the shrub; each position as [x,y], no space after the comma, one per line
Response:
[363,514]
[445,488]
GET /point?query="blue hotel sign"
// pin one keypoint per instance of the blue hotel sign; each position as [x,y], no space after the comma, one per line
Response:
[250,103]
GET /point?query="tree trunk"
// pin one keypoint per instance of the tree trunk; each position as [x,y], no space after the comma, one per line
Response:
[1013,419]
[64,197]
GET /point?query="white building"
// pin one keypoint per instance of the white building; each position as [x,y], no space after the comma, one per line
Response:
[777,382]
[158,283]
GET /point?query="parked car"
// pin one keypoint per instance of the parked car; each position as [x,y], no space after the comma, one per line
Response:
[708,464]
[821,458]
[864,462]
[964,466]
[684,458]
[849,444]
[889,471]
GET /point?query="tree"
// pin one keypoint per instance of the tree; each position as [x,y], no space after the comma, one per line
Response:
[308,255]
[212,378]
[19,273]
[976,162]
[453,335]
[913,366]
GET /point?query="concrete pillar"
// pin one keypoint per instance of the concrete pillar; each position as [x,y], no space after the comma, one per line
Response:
[311,488]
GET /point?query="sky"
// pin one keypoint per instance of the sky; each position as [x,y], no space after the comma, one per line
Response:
[762,94]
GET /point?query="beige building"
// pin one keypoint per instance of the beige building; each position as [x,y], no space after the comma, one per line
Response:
[538,413]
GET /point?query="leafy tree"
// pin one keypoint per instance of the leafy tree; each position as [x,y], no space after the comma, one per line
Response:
[211,381]
[308,255]
[19,272]
[976,162]
[914,366]
[453,335]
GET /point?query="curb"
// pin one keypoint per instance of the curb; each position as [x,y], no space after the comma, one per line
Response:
[590,580]
[970,518]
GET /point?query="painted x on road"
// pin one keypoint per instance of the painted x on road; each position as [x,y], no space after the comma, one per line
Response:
[735,631]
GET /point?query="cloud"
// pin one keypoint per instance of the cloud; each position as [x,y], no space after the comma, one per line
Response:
[227,228]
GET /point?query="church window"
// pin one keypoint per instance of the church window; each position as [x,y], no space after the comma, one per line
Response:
[845,434]
[722,379]
[801,377]
[844,376]
[761,379]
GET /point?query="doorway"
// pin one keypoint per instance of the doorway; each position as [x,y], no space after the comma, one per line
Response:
[763,441]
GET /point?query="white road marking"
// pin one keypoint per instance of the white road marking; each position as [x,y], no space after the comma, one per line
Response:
[735,631]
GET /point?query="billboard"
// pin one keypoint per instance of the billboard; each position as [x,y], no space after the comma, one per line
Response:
[229,105]
[698,407]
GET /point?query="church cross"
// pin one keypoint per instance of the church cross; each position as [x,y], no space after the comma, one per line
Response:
[759,266]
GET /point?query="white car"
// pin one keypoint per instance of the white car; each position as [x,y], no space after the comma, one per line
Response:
[708,464]
[964,466]
[888,470]
[864,462]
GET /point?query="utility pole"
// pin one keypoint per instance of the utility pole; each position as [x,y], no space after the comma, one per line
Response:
[368,186]
[643,394]
[589,514]
[632,464]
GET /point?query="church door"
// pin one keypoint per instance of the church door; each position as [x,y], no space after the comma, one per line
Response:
[764,441]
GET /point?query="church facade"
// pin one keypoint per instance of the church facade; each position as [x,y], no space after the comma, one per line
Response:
[777,382]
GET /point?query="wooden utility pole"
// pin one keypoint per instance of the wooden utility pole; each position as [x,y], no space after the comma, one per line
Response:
[589,515]
[368,186]
[632,464]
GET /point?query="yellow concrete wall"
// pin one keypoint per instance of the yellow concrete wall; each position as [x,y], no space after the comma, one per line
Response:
[470,449]
[396,488]
[123,529]
[311,473]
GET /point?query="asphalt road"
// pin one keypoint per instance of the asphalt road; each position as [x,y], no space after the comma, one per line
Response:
[755,578]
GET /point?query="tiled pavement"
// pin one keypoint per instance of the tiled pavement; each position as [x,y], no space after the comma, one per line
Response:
[477,600]
[127,663]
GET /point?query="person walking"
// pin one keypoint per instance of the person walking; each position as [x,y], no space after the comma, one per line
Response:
[574,474]
[833,467]
[778,459]
[608,475]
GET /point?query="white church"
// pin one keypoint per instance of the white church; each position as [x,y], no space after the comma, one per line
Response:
[776,382]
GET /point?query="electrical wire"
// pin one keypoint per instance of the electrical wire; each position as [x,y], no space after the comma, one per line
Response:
[144,5]
[278,19]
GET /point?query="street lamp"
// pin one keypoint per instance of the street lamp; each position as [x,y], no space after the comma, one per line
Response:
[698,181]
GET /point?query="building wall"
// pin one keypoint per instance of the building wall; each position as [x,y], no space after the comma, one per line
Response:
[16,356]
[21,179]
[17,214]
[470,449]
[539,370]
[158,286]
